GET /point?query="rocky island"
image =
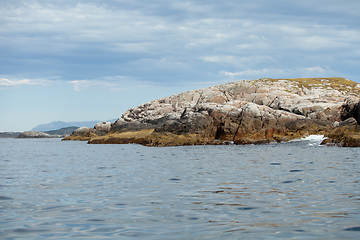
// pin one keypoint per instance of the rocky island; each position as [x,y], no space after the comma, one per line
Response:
[241,112]
[60,133]
[37,134]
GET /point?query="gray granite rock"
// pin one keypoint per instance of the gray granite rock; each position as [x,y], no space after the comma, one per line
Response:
[239,109]
[37,134]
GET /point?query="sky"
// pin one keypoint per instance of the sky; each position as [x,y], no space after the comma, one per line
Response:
[78,60]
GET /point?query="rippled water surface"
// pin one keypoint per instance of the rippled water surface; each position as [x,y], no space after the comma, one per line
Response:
[67,190]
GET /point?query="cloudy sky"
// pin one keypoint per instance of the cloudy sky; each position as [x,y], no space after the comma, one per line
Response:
[74,60]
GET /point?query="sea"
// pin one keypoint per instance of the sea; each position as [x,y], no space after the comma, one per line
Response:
[53,189]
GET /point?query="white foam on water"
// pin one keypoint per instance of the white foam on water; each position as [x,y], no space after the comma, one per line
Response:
[314,140]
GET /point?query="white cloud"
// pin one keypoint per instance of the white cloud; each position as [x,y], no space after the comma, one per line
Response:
[193,36]
[12,83]
[254,45]
[141,47]
[315,69]
[161,64]
[251,72]
[319,42]
[80,85]
[228,59]
[236,60]
[113,83]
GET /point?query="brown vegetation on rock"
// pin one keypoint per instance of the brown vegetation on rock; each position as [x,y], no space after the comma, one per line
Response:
[345,134]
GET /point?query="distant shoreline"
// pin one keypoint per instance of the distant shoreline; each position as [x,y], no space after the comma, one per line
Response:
[9,134]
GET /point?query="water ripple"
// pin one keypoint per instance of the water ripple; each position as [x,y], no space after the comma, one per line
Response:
[68,190]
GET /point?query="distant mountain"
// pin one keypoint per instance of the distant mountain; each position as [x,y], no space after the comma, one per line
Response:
[59,124]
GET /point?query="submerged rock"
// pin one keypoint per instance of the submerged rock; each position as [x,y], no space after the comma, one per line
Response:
[243,112]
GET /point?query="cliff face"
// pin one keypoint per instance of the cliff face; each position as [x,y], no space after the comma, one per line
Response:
[251,111]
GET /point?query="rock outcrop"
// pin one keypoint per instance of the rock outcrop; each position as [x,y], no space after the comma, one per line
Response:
[343,134]
[86,133]
[59,133]
[242,112]
[37,134]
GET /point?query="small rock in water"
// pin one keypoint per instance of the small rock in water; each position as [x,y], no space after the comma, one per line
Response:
[287,181]
[5,198]
[246,208]
[353,229]
[95,220]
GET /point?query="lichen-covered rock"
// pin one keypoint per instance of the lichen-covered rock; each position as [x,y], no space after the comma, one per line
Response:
[81,134]
[350,108]
[103,127]
[249,111]
[37,134]
[344,135]
[86,133]
[82,131]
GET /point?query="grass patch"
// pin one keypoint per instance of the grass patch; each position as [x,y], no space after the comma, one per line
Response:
[336,83]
